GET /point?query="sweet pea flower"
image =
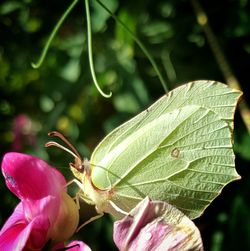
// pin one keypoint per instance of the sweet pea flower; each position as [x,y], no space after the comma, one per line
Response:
[156,225]
[24,132]
[72,246]
[46,213]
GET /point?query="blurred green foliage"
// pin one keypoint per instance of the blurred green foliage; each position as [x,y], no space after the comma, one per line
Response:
[61,96]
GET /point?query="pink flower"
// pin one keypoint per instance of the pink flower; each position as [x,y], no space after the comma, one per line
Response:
[24,132]
[46,212]
[156,225]
[72,246]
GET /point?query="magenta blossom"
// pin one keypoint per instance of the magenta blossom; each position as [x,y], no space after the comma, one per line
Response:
[156,225]
[72,246]
[24,132]
[46,212]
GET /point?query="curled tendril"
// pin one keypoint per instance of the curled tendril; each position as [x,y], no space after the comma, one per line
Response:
[52,35]
[90,53]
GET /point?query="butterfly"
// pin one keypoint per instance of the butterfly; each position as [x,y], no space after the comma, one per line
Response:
[178,150]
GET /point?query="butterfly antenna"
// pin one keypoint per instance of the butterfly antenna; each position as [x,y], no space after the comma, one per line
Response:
[73,150]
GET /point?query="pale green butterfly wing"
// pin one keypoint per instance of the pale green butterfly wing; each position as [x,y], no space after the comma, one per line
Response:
[209,94]
[185,169]
[179,150]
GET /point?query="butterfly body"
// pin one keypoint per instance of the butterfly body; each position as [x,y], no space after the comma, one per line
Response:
[88,191]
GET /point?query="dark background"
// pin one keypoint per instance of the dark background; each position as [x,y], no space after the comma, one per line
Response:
[61,96]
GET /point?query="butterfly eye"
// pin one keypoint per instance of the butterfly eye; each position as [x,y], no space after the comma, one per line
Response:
[78,165]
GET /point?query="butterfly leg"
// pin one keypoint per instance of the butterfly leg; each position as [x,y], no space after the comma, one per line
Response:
[77,200]
[80,195]
[118,209]
[76,181]
[90,220]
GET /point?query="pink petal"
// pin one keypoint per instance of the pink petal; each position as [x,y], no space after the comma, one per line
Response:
[48,206]
[12,238]
[156,225]
[79,246]
[38,229]
[17,216]
[17,233]
[73,246]
[30,177]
